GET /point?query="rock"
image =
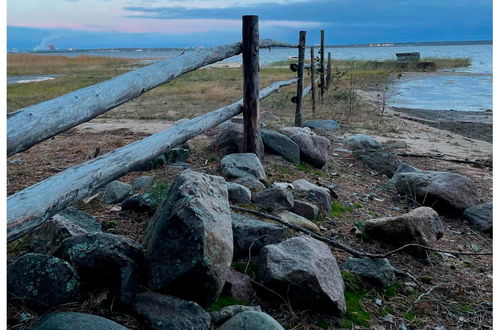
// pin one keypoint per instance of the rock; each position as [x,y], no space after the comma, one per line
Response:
[250,182]
[420,226]
[238,285]
[142,203]
[280,144]
[306,210]
[242,165]
[447,193]
[314,193]
[377,272]
[297,220]
[177,155]
[151,164]
[221,316]
[41,281]
[305,271]
[105,260]
[342,150]
[313,148]
[325,124]
[249,232]
[67,223]
[251,320]
[115,192]
[72,320]
[189,240]
[396,145]
[180,166]
[166,312]
[238,193]
[274,199]
[142,182]
[361,142]
[384,162]
[480,216]
[230,139]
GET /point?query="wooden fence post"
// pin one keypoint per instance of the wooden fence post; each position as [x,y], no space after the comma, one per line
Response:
[328,77]
[323,83]
[251,105]
[299,84]
[312,78]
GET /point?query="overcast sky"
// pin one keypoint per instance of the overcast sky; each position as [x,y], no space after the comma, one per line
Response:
[164,23]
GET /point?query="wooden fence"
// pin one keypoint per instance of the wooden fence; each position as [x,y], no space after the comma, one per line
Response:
[32,206]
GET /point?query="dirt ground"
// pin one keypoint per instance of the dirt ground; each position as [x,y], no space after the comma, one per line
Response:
[457,290]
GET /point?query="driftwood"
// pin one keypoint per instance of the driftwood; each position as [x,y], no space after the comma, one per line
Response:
[440,157]
[34,124]
[30,207]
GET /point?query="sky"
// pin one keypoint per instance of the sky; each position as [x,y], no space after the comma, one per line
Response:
[34,24]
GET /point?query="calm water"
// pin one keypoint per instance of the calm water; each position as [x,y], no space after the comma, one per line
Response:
[471,92]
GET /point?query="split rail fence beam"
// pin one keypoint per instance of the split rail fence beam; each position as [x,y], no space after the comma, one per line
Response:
[299,84]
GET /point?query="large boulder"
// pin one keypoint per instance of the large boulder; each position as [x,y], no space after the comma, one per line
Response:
[229,139]
[189,239]
[238,193]
[67,223]
[298,220]
[251,320]
[420,226]
[324,124]
[161,312]
[72,320]
[274,199]
[480,216]
[384,162]
[314,193]
[115,192]
[280,144]
[241,165]
[361,142]
[304,270]
[41,281]
[238,285]
[105,260]
[377,272]
[447,193]
[313,148]
[255,234]
[305,209]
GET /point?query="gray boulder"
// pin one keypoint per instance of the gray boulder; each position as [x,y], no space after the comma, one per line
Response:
[325,124]
[249,232]
[238,193]
[420,226]
[313,148]
[151,164]
[229,139]
[361,142]
[238,285]
[161,312]
[41,281]
[447,193]
[105,260]
[142,203]
[384,162]
[142,182]
[67,223]
[305,209]
[177,155]
[304,270]
[250,182]
[480,216]
[115,192]
[314,193]
[189,240]
[377,272]
[72,320]
[251,320]
[221,316]
[280,144]
[242,165]
[274,199]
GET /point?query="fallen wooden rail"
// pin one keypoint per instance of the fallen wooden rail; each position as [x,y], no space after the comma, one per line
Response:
[32,206]
[34,124]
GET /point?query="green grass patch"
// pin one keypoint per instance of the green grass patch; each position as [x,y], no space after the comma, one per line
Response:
[19,245]
[338,209]
[303,167]
[354,293]
[358,205]
[159,191]
[224,301]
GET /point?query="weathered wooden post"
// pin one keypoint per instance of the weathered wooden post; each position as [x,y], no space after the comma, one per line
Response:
[251,105]
[328,77]
[299,84]
[323,83]
[312,78]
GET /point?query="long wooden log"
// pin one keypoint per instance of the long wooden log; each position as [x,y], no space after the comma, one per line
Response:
[30,207]
[299,85]
[34,124]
